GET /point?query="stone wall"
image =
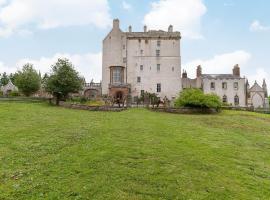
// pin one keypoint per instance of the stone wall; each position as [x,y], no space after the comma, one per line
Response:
[186,110]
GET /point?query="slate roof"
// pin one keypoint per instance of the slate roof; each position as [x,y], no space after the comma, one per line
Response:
[220,76]
[153,34]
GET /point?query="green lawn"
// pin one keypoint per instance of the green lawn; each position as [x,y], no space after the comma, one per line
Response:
[56,153]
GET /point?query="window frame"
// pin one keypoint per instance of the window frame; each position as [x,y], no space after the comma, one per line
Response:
[158,87]
[213,84]
[139,79]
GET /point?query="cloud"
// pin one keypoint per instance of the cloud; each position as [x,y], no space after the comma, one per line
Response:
[259,75]
[126,5]
[256,26]
[88,65]
[20,14]
[184,15]
[219,64]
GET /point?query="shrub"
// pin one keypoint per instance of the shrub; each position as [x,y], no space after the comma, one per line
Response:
[1,93]
[195,98]
[14,94]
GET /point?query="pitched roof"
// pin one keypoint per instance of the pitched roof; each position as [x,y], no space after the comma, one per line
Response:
[220,76]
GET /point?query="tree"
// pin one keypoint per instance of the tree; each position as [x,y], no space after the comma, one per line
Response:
[63,80]
[4,79]
[196,98]
[27,80]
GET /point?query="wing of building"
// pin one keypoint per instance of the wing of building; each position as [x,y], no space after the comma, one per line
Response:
[233,89]
[138,62]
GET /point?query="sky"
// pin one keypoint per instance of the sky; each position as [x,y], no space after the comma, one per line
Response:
[216,34]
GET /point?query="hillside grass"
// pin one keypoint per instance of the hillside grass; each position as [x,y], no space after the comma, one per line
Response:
[48,152]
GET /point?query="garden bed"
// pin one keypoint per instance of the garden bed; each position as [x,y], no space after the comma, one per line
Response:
[90,108]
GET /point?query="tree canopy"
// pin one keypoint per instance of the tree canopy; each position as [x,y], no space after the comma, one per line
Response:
[4,79]
[27,80]
[63,80]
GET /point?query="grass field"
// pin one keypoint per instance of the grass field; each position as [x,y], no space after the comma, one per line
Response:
[55,153]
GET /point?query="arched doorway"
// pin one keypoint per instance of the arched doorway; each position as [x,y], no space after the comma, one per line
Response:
[119,95]
[257,101]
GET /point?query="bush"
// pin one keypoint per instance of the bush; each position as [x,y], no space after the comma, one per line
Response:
[14,94]
[195,98]
[1,93]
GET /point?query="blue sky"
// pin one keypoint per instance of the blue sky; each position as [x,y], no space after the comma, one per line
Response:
[216,33]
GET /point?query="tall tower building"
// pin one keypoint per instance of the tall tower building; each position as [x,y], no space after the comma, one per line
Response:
[138,62]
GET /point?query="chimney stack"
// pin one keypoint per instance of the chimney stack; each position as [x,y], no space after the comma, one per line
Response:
[130,29]
[199,71]
[116,24]
[170,29]
[145,28]
[236,70]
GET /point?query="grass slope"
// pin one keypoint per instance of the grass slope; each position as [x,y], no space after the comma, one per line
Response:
[55,153]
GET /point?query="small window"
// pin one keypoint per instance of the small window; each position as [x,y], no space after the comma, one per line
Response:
[173,69]
[142,93]
[225,99]
[141,67]
[138,79]
[139,40]
[235,85]
[236,100]
[141,52]
[124,60]
[159,87]
[212,85]
[157,53]
[124,46]
[224,86]
[158,67]
[158,43]
[146,41]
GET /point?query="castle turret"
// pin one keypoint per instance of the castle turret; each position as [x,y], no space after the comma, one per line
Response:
[236,70]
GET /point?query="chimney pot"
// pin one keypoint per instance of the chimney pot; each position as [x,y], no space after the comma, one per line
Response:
[145,28]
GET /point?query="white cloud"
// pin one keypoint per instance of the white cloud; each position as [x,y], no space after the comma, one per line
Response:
[256,26]
[88,65]
[184,15]
[2,2]
[126,5]
[18,14]
[260,74]
[219,64]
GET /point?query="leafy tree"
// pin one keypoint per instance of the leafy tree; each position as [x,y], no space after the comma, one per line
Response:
[27,80]
[4,79]
[63,80]
[12,77]
[196,98]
